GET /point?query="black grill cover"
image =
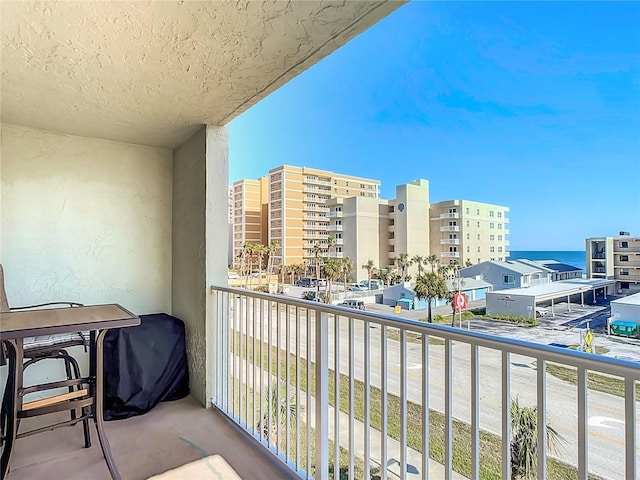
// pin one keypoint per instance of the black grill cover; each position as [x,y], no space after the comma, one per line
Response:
[144,365]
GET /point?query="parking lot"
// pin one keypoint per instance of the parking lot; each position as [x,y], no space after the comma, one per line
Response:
[565,327]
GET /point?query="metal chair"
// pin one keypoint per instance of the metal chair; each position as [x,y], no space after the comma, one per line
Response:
[48,347]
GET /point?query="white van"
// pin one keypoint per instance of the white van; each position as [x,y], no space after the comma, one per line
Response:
[357,304]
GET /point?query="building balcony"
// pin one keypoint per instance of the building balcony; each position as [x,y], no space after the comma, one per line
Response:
[339,241]
[450,254]
[443,216]
[629,264]
[450,228]
[335,214]
[336,254]
[335,228]
[449,241]
[316,218]
[619,250]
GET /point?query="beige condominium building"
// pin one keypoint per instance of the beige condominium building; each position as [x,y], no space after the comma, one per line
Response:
[298,211]
[380,230]
[468,232]
[615,258]
[250,206]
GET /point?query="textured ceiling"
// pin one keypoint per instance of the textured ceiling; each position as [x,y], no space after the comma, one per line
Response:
[150,72]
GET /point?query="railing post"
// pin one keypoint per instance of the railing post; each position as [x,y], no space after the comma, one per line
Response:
[322,395]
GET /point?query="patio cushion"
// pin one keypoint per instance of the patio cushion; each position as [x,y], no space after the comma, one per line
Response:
[214,467]
[31,343]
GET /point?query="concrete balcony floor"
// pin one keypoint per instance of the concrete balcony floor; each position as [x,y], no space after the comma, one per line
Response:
[170,435]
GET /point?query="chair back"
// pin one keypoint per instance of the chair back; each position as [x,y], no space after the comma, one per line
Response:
[4,303]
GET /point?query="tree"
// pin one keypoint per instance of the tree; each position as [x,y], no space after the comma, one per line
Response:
[524,440]
[346,270]
[433,261]
[370,268]
[247,255]
[317,251]
[420,261]
[331,270]
[430,286]
[468,263]
[272,250]
[403,263]
[260,251]
[331,241]
[274,403]
[385,275]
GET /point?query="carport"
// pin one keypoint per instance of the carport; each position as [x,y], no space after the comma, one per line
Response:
[522,301]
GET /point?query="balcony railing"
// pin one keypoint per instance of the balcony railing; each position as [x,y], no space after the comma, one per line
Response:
[281,363]
[336,254]
[449,241]
[450,228]
[335,213]
[335,228]
[450,254]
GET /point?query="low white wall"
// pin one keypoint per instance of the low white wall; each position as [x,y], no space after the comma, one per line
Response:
[84,220]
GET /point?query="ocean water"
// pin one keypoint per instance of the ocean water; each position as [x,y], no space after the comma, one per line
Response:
[576,258]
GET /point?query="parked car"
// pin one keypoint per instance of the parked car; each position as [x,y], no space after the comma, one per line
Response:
[375,284]
[356,288]
[541,312]
[357,304]
[306,282]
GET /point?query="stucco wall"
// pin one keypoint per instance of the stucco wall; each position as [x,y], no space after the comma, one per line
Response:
[86,220]
[200,242]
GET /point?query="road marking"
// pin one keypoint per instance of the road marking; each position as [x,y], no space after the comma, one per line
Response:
[600,421]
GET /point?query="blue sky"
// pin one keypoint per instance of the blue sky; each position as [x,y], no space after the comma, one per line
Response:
[535,106]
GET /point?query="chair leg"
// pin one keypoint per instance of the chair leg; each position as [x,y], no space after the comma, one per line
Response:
[67,368]
[85,410]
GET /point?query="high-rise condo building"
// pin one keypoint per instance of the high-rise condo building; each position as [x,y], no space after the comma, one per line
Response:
[469,232]
[250,207]
[616,258]
[298,212]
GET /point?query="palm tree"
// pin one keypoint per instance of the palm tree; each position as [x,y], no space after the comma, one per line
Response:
[346,270]
[454,267]
[433,261]
[268,424]
[443,271]
[260,251]
[272,250]
[331,241]
[524,440]
[420,261]
[370,268]
[403,262]
[317,251]
[468,263]
[331,270]
[430,286]
[384,274]
[248,250]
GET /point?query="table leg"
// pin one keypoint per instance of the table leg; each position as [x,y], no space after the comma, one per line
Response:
[99,397]
[14,382]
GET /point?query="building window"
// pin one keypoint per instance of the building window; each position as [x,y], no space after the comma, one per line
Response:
[467,223]
[492,225]
[499,238]
[508,279]
[338,222]
[478,225]
[335,182]
[468,237]
[478,236]
[467,210]
[478,248]
[338,249]
[492,237]
[492,249]
[624,271]
[338,235]
[477,211]
[500,249]
[499,226]
[624,285]
[347,183]
[624,258]
[499,214]
[468,249]
[362,194]
[362,185]
[491,213]
[624,244]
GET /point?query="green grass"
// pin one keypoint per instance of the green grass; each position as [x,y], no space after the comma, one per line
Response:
[595,381]
[490,444]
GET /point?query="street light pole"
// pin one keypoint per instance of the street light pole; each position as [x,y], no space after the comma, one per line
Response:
[460,283]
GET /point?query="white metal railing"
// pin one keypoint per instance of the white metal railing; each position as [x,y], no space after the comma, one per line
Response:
[450,229]
[450,254]
[277,355]
[449,241]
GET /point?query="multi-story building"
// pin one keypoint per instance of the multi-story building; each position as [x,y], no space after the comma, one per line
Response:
[380,230]
[298,211]
[250,206]
[469,232]
[616,258]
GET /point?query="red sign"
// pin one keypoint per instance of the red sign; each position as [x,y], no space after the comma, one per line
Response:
[460,302]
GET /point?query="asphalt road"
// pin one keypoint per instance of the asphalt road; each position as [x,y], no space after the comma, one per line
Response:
[606,420]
